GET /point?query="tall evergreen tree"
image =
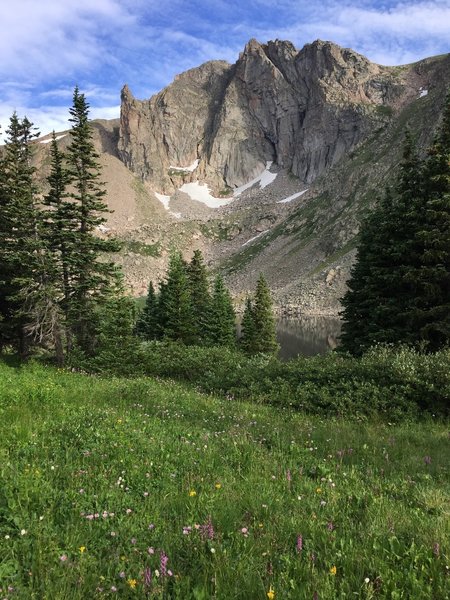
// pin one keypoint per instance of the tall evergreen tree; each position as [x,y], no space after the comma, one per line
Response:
[222,326]
[200,296]
[92,280]
[19,240]
[265,340]
[247,339]
[399,286]
[147,322]
[431,317]
[175,314]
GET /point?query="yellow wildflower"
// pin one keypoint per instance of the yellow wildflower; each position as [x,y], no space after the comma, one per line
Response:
[132,583]
[271,593]
[318,490]
[333,570]
[192,493]
[82,549]
[218,486]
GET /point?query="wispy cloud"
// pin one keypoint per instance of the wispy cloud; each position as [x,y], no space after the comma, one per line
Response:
[49,46]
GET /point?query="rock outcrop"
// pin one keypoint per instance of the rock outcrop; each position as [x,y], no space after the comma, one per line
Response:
[302,110]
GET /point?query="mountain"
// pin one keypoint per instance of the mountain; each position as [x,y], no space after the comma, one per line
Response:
[318,132]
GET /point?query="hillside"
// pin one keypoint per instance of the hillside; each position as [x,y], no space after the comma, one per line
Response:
[319,133]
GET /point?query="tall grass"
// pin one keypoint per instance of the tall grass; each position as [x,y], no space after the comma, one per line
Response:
[141,488]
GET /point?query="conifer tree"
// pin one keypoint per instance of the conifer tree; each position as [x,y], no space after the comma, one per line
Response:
[147,322]
[92,280]
[200,296]
[265,340]
[222,326]
[19,240]
[247,339]
[175,314]
[431,318]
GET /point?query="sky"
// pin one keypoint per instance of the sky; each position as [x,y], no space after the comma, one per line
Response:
[47,47]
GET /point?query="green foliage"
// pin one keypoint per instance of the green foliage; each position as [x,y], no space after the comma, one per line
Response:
[258,323]
[399,290]
[143,249]
[222,319]
[100,476]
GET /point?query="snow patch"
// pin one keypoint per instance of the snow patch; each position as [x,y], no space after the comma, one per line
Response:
[188,169]
[255,238]
[423,92]
[165,202]
[201,193]
[293,197]
[58,137]
[102,228]
[264,179]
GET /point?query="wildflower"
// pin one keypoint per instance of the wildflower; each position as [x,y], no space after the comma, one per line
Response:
[427,460]
[289,475]
[244,531]
[122,574]
[366,580]
[23,532]
[271,593]
[132,583]
[299,545]
[151,526]
[192,493]
[164,559]
[213,550]
[113,534]
[82,549]
[436,549]
[128,511]
[218,486]
[207,530]
[147,577]
[187,530]
[318,490]
[151,550]
[322,503]
[133,541]
[333,570]
[113,588]
[63,557]
[330,526]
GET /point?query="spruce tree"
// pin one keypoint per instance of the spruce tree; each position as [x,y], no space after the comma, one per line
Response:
[92,280]
[431,317]
[19,239]
[200,297]
[147,322]
[175,314]
[265,340]
[247,339]
[222,326]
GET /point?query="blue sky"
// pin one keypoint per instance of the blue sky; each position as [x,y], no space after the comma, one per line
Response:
[49,46]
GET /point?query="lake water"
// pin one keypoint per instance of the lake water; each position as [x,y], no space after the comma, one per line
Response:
[307,336]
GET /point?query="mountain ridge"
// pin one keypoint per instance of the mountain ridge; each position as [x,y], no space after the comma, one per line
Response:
[327,119]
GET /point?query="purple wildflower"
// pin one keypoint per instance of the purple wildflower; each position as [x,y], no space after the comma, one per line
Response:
[207,530]
[330,526]
[427,460]
[147,577]
[299,545]
[289,475]
[164,559]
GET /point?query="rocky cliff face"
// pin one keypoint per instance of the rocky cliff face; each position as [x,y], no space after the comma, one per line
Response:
[301,110]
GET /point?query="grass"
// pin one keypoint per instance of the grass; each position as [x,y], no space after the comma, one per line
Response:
[102,479]
[141,248]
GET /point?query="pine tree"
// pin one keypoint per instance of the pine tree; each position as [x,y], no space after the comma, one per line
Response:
[399,289]
[175,314]
[19,241]
[247,339]
[200,297]
[431,318]
[147,322]
[92,280]
[264,323]
[222,326]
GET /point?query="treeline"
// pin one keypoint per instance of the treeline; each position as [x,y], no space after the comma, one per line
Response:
[53,285]
[186,310]
[399,290]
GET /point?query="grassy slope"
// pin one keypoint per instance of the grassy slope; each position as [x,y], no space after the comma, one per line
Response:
[153,453]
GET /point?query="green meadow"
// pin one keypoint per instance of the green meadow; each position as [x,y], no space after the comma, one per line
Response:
[144,488]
